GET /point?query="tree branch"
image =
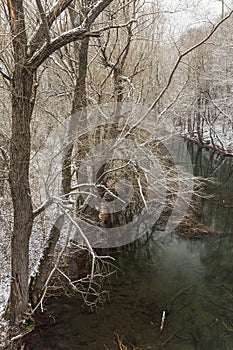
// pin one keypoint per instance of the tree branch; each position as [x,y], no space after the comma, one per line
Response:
[5,76]
[95,11]
[179,59]
[39,282]
[185,53]
[44,206]
[45,25]
[65,38]
[18,30]
[37,37]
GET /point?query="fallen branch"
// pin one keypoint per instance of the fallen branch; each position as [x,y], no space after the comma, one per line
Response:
[21,335]
[178,294]
[221,306]
[169,338]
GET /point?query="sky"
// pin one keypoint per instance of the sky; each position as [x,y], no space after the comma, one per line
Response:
[190,13]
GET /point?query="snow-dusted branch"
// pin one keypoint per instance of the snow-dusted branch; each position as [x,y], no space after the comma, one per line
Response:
[65,38]
[55,44]
[44,206]
[39,51]
[177,64]
[50,17]
[185,53]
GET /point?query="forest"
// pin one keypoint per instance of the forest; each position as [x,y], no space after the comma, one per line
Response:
[116,154]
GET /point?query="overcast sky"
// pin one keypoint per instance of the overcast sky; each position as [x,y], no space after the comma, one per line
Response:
[188,13]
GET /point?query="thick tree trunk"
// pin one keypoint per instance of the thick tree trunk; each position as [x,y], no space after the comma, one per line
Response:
[22,106]
[20,191]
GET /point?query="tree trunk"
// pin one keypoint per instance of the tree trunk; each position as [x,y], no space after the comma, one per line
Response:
[25,63]
[20,191]
[79,103]
[37,283]
[198,120]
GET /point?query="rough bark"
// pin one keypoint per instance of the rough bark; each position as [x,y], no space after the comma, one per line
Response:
[20,190]
[22,105]
[79,103]
[78,33]
[27,58]
[39,35]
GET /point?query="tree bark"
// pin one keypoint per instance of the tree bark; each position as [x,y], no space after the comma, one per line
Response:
[28,56]
[22,106]
[79,103]
[20,190]
[37,283]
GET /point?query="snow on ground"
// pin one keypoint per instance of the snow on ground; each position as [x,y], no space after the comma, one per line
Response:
[217,138]
[221,139]
[40,231]
[36,245]
[44,181]
[5,234]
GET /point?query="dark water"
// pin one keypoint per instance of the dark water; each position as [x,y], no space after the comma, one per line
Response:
[192,280]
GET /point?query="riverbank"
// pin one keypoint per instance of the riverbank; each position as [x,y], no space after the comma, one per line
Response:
[37,239]
[207,144]
[189,278]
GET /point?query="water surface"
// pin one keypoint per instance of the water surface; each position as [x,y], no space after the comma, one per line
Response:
[192,280]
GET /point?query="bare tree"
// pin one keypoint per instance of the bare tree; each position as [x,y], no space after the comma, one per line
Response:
[36,34]
[205,106]
[28,55]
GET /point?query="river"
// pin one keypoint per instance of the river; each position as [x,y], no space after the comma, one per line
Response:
[190,279]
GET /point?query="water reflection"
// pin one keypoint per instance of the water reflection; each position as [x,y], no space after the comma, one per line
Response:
[191,280]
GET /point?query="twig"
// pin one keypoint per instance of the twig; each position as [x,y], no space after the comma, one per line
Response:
[162,320]
[44,206]
[221,306]
[45,287]
[230,329]
[21,335]
[83,236]
[169,338]
[176,65]
[178,294]
[5,76]
[141,193]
